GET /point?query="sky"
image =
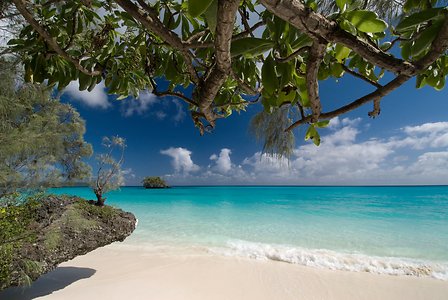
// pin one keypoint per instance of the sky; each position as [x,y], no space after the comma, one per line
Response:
[406,144]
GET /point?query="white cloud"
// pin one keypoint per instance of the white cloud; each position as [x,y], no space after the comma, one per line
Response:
[140,105]
[180,115]
[408,158]
[181,160]
[427,128]
[97,98]
[223,163]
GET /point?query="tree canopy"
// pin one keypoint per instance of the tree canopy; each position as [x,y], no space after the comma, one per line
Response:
[154,182]
[41,139]
[235,53]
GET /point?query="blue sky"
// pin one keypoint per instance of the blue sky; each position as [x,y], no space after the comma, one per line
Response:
[406,144]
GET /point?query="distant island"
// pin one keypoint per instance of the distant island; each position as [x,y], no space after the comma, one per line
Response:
[154,182]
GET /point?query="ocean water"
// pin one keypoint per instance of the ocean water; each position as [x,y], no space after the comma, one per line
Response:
[389,230]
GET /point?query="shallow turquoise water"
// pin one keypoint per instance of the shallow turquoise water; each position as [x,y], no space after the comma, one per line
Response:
[337,225]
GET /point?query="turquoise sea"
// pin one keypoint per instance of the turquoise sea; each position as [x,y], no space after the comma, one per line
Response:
[390,230]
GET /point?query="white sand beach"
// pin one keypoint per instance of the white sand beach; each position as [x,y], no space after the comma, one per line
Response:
[122,272]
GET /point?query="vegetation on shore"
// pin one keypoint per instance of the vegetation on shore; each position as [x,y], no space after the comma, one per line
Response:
[109,174]
[46,230]
[154,182]
[41,139]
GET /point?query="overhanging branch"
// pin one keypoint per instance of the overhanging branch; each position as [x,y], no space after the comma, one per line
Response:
[149,18]
[221,69]
[318,26]
[21,7]
[377,94]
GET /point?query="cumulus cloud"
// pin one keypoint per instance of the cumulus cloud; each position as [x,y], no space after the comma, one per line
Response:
[416,155]
[223,163]
[97,98]
[434,135]
[181,160]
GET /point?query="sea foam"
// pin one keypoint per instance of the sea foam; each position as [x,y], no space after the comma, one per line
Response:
[333,260]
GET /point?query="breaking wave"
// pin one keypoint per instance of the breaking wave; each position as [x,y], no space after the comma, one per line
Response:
[335,260]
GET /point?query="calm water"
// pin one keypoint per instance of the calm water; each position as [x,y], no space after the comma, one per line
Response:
[395,230]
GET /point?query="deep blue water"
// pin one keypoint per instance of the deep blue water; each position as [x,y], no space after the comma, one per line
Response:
[359,228]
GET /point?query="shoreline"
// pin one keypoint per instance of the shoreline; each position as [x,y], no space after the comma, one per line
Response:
[121,271]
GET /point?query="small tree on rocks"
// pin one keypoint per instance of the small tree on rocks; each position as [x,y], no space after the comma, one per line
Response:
[109,175]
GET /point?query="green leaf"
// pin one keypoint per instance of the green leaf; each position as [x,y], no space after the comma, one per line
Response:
[386,46]
[250,46]
[269,76]
[211,15]
[421,81]
[418,18]
[406,50]
[312,133]
[84,81]
[285,97]
[341,53]
[322,124]
[441,84]
[366,21]
[303,91]
[302,41]
[349,27]
[342,4]
[337,70]
[197,7]
[425,39]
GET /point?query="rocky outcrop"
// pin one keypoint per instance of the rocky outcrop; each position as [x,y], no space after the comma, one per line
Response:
[61,229]
[154,182]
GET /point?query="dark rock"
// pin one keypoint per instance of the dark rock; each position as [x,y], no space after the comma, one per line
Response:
[63,228]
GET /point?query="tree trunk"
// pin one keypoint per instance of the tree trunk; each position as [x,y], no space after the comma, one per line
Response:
[99,198]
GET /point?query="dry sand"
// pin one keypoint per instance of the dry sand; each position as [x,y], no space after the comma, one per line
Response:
[126,273]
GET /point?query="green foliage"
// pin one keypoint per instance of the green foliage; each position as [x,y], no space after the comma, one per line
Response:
[197,7]
[41,139]
[15,220]
[154,182]
[366,21]
[104,212]
[250,46]
[271,61]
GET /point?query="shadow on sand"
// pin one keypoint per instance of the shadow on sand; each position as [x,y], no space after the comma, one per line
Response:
[48,283]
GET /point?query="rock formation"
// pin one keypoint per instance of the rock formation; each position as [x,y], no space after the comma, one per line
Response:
[60,229]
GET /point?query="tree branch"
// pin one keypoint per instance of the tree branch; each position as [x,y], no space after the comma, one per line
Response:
[316,55]
[378,93]
[210,87]
[360,76]
[292,55]
[149,18]
[236,37]
[317,26]
[174,94]
[243,85]
[20,5]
